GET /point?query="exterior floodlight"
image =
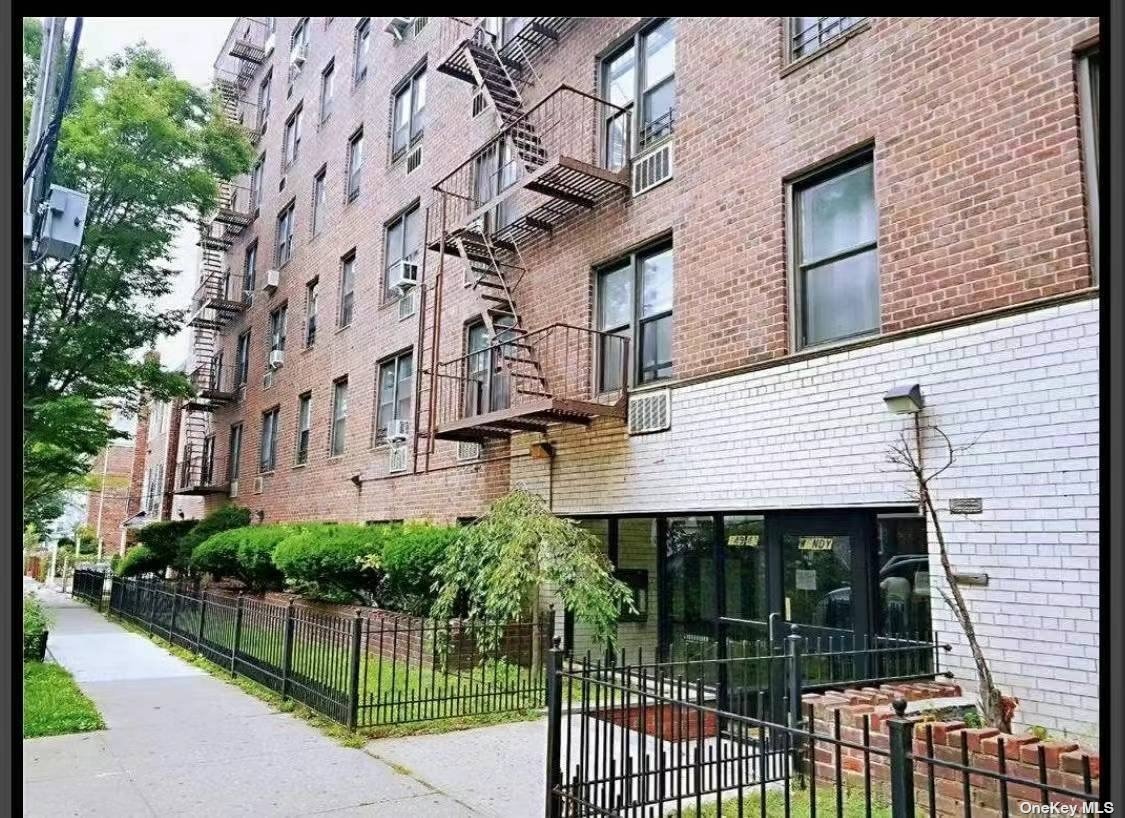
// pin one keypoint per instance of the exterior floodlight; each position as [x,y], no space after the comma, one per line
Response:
[903,400]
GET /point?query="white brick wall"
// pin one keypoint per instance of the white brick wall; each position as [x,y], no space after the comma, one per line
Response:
[815,433]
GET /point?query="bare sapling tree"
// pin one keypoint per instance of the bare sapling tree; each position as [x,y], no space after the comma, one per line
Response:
[996,708]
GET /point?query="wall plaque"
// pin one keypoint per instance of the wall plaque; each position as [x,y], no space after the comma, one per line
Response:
[966,505]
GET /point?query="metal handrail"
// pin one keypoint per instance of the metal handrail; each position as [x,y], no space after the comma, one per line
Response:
[526,338]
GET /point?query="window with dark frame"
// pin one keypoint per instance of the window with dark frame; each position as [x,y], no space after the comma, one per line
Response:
[807,35]
[256,177]
[320,199]
[362,46]
[234,450]
[355,163]
[304,427]
[277,328]
[292,137]
[299,39]
[250,271]
[267,460]
[347,290]
[264,100]
[396,389]
[402,241]
[338,432]
[285,234]
[408,117]
[645,321]
[651,80]
[835,248]
[1089,97]
[242,359]
[312,294]
[327,89]
[487,384]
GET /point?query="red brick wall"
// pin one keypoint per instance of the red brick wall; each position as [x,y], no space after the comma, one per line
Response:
[107,506]
[1063,760]
[978,185]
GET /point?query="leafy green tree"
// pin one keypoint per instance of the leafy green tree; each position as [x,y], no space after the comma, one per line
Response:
[495,570]
[149,150]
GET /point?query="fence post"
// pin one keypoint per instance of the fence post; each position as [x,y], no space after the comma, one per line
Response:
[199,628]
[796,683]
[287,650]
[554,728]
[172,619]
[353,675]
[151,609]
[902,762]
[237,632]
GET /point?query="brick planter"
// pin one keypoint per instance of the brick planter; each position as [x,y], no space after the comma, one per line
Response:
[668,722]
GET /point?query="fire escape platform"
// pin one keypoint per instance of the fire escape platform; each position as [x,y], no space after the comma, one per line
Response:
[201,489]
[528,416]
[244,49]
[574,187]
[537,34]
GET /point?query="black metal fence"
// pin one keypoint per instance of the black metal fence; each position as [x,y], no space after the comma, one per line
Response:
[88,584]
[664,739]
[370,669]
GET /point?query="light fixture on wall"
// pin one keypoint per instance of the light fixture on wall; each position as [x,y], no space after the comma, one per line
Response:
[904,400]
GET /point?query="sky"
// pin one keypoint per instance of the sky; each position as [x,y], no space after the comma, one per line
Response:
[190,44]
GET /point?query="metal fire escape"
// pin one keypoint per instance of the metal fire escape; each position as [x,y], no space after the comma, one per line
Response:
[221,295]
[551,151]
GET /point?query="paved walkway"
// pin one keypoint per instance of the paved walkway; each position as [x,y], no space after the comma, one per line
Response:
[182,742]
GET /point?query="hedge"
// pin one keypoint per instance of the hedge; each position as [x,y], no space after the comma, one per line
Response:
[35,624]
[322,561]
[140,559]
[162,540]
[222,519]
[245,554]
[410,553]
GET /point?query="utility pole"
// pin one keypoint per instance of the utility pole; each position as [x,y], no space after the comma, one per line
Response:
[42,108]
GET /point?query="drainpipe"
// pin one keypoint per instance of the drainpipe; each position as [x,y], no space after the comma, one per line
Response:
[101,502]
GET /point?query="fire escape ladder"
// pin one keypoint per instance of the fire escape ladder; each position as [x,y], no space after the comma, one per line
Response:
[493,77]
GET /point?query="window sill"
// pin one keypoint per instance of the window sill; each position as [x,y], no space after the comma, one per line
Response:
[335,457]
[269,473]
[831,45]
[297,466]
[829,346]
[341,329]
[308,348]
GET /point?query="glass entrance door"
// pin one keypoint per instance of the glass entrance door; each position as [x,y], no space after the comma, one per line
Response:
[690,589]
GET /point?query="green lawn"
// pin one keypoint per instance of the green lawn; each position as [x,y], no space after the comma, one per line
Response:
[52,703]
[798,804]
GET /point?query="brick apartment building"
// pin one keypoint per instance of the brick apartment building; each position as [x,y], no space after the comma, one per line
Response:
[664,272]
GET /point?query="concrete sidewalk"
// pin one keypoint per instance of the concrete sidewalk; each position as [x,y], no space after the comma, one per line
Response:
[181,742]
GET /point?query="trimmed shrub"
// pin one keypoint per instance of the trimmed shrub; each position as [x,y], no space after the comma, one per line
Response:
[323,561]
[139,560]
[35,624]
[245,554]
[162,540]
[221,519]
[410,553]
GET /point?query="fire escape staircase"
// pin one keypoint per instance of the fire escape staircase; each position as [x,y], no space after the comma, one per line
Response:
[493,260]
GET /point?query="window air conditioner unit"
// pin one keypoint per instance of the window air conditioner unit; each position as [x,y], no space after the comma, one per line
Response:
[298,56]
[399,431]
[259,484]
[277,358]
[650,411]
[397,27]
[652,169]
[404,275]
[233,489]
[273,279]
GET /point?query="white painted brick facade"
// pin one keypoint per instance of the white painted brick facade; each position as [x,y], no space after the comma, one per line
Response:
[815,433]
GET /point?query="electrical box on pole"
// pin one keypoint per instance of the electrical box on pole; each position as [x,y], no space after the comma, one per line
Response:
[64,219]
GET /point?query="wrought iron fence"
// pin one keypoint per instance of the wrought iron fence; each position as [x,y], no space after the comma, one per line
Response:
[370,669]
[668,739]
[88,584]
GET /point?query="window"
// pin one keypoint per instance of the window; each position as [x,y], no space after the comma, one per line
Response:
[362,45]
[242,359]
[285,234]
[312,292]
[234,460]
[327,89]
[264,100]
[1089,95]
[256,177]
[651,80]
[299,41]
[304,427]
[402,242]
[339,417]
[810,34]
[277,328]
[268,453]
[486,382]
[408,116]
[645,321]
[347,289]
[293,136]
[835,242]
[355,163]
[396,379]
[320,198]
[250,271]
[157,418]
